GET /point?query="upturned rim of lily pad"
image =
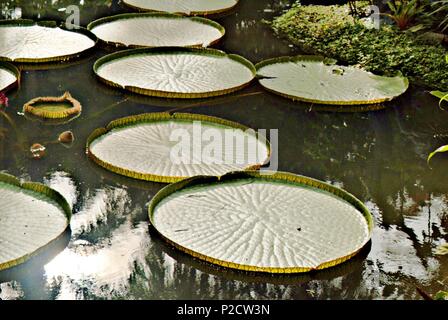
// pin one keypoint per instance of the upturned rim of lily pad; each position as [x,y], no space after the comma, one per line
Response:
[49,24]
[173,50]
[193,13]
[74,110]
[159,117]
[49,193]
[15,71]
[326,61]
[157,14]
[281,177]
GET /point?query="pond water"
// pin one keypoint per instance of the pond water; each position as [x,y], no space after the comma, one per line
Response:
[109,251]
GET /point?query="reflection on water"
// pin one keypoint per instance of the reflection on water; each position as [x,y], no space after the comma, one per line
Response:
[109,251]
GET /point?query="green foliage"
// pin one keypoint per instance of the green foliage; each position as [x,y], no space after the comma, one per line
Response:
[441,295]
[441,10]
[331,31]
[405,13]
[439,150]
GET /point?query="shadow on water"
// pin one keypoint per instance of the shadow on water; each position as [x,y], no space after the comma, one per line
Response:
[379,156]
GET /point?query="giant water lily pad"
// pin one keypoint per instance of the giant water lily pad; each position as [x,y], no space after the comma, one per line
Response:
[28,41]
[175,72]
[313,79]
[188,7]
[279,223]
[157,30]
[167,148]
[31,216]
[9,76]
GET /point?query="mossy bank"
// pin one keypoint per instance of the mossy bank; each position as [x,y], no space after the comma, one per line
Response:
[331,31]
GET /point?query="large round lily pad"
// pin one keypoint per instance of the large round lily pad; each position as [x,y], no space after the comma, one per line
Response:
[157,30]
[281,223]
[31,216]
[313,79]
[187,7]
[168,148]
[28,41]
[175,72]
[9,76]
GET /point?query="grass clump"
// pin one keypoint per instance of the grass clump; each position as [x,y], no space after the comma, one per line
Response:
[331,31]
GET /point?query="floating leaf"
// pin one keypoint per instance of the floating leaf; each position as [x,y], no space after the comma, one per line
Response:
[188,7]
[313,79]
[61,107]
[440,150]
[175,72]
[165,148]
[28,41]
[31,216]
[9,76]
[157,30]
[281,223]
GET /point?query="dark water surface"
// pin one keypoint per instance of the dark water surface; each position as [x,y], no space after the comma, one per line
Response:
[110,252]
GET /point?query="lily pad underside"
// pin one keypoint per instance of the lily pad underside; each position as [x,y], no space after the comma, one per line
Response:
[175,72]
[9,76]
[278,223]
[313,79]
[167,148]
[157,30]
[36,42]
[186,7]
[31,216]
[61,107]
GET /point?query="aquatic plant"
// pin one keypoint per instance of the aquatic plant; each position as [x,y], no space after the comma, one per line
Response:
[332,32]
[161,30]
[49,42]
[441,9]
[175,72]
[318,80]
[405,13]
[187,7]
[443,96]
[31,217]
[9,78]
[142,147]
[278,223]
[64,106]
